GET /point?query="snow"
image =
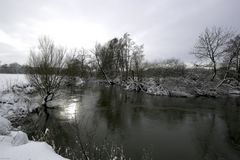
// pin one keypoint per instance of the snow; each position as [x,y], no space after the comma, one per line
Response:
[19,139]
[8,80]
[5,126]
[180,87]
[31,150]
[80,82]
[14,95]
[236,92]
[15,145]
[15,102]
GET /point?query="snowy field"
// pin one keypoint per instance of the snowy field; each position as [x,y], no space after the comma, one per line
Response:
[7,80]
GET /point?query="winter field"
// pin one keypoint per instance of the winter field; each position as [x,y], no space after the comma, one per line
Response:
[8,80]
[16,103]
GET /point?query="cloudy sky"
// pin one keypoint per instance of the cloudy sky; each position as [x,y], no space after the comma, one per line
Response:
[167,28]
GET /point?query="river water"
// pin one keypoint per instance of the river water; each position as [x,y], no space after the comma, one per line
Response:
[163,128]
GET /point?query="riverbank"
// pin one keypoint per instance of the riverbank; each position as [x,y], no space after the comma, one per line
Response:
[182,87]
[16,103]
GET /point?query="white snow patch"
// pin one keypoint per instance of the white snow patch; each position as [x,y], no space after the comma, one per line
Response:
[31,150]
[5,126]
[15,145]
[8,80]
[20,138]
[236,92]
[80,82]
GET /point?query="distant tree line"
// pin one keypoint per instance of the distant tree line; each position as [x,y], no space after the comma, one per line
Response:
[12,68]
[165,68]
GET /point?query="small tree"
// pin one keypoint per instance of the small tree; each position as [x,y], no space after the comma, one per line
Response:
[46,69]
[211,46]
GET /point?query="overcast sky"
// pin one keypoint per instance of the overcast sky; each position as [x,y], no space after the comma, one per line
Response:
[167,28]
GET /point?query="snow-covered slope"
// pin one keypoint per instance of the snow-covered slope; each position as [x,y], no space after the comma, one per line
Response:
[15,145]
[15,102]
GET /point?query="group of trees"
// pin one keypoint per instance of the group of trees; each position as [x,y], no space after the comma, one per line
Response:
[120,58]
[79,63]
[49,65]
[219,48]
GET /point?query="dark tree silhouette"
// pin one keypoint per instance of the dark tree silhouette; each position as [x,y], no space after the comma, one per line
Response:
[211,45]
[46,69]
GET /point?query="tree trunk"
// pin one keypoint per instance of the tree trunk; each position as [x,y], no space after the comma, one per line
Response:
[103,71]
[238,68]
[228,67]
[214,71]
[46,99]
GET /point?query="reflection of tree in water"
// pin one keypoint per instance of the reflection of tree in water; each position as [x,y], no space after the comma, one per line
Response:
[122,109]
[210,132]
[205,139]
[169,111]
[232,116]
[111,104]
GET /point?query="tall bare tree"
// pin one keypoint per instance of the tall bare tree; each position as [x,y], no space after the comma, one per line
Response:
[46,69]
[211,45]
[232,56]
[137,62]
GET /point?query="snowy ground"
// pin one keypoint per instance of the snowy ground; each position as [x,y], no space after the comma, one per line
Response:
[15,102]
[182,87]
[8,80]
[14,145]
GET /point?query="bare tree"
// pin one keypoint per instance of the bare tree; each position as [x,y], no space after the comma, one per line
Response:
[232,56]
[137,62]
[231,60]
[46,69]
[211,46]
[98,54]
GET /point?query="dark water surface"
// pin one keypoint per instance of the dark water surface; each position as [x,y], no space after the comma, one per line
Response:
[169,128]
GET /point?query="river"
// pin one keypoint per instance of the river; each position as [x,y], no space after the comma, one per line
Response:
[162,128]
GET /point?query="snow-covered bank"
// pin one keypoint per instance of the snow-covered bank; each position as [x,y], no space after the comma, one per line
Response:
[15,145]
[16,103]
[182,87]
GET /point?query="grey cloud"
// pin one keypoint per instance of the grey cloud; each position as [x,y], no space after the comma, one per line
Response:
[166,28]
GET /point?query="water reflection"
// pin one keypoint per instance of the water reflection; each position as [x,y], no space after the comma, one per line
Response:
[69,109]
[172,128]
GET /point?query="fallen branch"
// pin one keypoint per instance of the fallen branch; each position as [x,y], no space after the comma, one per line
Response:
[225,79]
